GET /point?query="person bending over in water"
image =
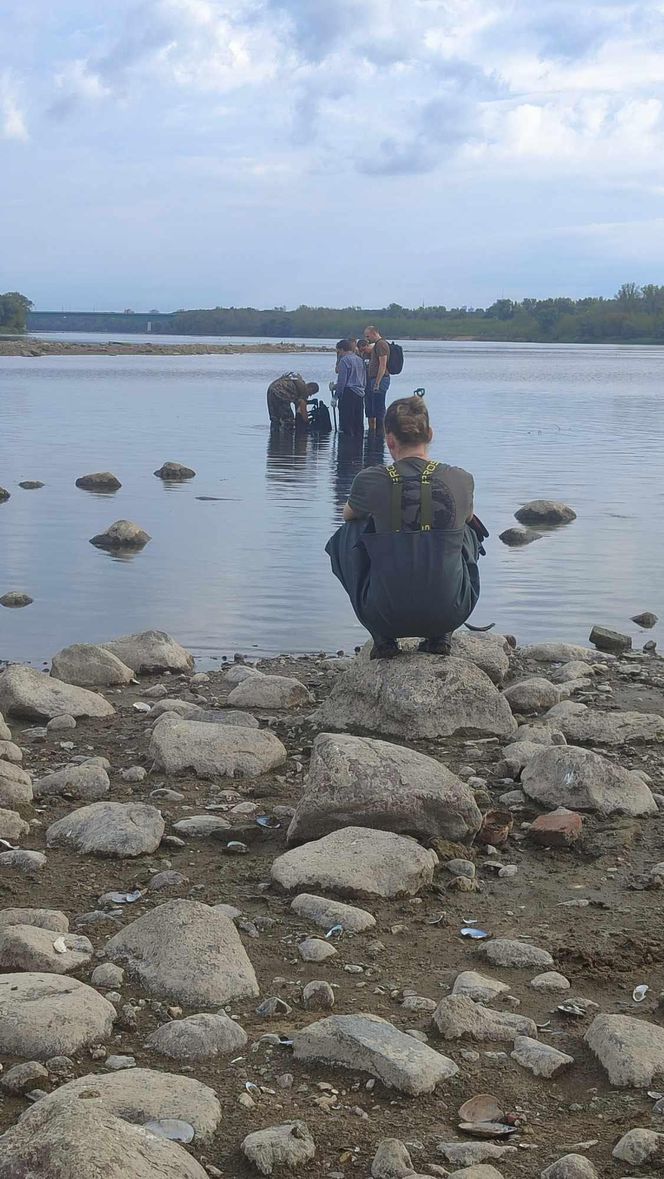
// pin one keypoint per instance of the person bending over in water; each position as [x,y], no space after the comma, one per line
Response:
[287,391]
[408,550]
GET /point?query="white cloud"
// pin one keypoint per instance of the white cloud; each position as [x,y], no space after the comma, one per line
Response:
[12,119]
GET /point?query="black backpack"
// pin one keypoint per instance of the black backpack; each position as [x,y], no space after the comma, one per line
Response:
[395,361]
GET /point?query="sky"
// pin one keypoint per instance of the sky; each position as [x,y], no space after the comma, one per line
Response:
[200,153]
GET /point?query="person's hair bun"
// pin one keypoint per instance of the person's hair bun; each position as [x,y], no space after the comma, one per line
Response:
[408,420]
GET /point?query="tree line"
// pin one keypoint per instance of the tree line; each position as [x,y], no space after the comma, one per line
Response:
[634,315]
[14,310]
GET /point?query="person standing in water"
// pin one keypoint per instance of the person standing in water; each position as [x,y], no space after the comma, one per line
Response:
[287,391]
[407,552]
[351,381]
[378,377]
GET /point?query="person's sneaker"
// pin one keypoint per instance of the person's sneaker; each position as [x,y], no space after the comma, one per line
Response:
[386,650]
[439,646]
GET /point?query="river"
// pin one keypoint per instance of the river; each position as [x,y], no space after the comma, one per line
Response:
[246,571]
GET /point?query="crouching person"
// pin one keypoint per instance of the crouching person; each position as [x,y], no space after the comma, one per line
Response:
[287,401]
[408,550]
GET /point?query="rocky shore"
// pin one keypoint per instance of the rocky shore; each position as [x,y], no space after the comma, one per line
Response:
[350,918]
[35,347]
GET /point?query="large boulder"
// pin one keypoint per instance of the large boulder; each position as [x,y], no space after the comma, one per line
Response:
[213,750]
[90,666]
[270,691]
[99,481]
[422,695]
[369,783]
[357,862]
[87,782]
[151,652]
[545,511]
[580,723]
[84,1142]
[123,534]
[31,695]
[44,1015]
[562,775]
[186,952]
[631,1050]
[366,1043]
[109,829]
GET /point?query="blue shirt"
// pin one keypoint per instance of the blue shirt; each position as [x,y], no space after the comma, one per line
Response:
[351,374]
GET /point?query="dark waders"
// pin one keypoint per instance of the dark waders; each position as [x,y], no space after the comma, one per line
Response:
[407,584]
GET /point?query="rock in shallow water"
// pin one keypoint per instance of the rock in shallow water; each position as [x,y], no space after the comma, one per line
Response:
[380,785]
[366,1043]
[174,472]
[358,861]
[15,600]
[518,537]
[99,481]
[187,952]
[123,534]
[545,511]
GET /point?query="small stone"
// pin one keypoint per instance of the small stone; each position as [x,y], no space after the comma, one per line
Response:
[134,774]
[201,826]
[198,1037]
[318,996]
[314,949]
[287,1146]
[61,724]
[167,879]
[16,600]
[468,1154]
[517,537]
[27,862]
[540,1059]
[478,987]
[115,1064]
[550,982]
[461,868]
[22,1077]
[60,1066]
[647,619]
[123,534]
[458,1017]
[274,1006]
[560,828]
[571,1166]
[174,472]
[391,1160]
[545,511]
[99,481]
[107,975]
[518,955]
[631,1050]
[327,913]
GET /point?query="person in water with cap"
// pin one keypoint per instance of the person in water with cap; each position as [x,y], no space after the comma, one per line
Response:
[287,391]
[408,549]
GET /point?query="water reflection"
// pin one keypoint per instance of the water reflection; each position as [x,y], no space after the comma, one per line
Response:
[293,456]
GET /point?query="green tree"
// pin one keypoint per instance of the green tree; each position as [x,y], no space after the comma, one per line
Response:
[14,312]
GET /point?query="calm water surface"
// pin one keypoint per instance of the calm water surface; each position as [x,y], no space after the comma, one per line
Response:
[247,571]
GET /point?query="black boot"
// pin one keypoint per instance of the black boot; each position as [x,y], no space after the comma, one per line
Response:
[438,646]
[384,649]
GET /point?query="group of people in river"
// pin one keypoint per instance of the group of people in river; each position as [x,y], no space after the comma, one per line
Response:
[407,551]
[360,388]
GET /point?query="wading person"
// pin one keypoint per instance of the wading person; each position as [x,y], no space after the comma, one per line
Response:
[408,550]
[378,378]
[351,381]
[288,391]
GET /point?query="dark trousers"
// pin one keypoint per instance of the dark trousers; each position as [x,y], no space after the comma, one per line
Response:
[351,420]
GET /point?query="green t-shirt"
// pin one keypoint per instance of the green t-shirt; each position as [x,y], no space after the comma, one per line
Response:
[451,492]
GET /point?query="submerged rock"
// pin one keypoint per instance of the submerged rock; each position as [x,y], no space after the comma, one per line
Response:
[31,484]
[545,511]
[90,666]
[123,534]
[421,695]
[358,861]
[31,695]
[364,782]
[99,481]
[4,494]
[647,619]
[174,472]
[16,600]
[518,537]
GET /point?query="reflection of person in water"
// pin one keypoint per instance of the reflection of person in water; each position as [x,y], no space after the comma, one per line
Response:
[407,554]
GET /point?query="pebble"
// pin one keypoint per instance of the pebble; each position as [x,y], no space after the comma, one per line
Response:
[116,1063]
[314,949]
[318,996]
[134,774]
[20,1078]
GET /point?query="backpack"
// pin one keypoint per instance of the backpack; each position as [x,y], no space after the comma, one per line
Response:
[395,359]
[319,417]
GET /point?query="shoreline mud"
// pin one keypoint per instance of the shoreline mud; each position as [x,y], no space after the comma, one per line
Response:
[35,347]
[595,905]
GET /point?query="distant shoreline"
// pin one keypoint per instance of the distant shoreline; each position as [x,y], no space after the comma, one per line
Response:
[35,347]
